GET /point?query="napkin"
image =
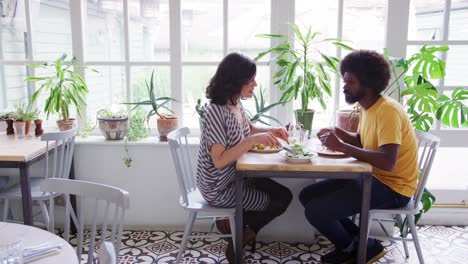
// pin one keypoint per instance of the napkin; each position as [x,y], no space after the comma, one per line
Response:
[40,251]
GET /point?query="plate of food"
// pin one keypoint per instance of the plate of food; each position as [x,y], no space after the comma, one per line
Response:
[322,150]
[302,154]
[260,148]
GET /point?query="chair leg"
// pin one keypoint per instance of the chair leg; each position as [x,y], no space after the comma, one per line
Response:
[400,224]
[232,223]
[415,238]
[45,214]
[185,238]
[5,210]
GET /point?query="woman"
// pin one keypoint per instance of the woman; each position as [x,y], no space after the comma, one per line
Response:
[228,134]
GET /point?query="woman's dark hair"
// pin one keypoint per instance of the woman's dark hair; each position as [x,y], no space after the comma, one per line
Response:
[234,71]
[369,67]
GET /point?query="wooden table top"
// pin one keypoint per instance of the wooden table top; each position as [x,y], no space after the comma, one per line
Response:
[23,149]
[276,162]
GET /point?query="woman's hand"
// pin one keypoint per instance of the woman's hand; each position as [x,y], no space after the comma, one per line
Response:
[280,132]
[265,138]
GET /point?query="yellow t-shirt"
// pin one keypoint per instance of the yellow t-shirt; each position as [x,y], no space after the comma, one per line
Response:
[386,122]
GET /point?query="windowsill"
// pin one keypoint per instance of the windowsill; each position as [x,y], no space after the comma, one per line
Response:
[149,141]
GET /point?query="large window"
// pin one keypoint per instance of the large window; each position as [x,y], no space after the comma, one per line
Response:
[184,40]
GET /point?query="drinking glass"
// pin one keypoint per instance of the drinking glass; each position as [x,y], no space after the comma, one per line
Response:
[304,137]
[295,134]
[11,253]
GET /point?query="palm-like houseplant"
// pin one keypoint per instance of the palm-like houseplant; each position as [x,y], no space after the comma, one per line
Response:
[65,88]
[165,122]
[413,88]
[303,69]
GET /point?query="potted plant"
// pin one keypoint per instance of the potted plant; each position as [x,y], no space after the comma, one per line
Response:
[65,88]
[348,119]
[300,73]
[136,132]
[201,112]
[165,122]
[413,88]
[261,110]
[113,125]
[25,114]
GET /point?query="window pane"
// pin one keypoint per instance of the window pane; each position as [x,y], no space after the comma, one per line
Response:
[254,15]
[106,88]
[321,16]
[141,75]
[369,14]
[12,86]
[13,26]
[51,29]
[149,30]
[458,20]
[457,56]
[194,80]
[104,31]
[425,19]
[202,30]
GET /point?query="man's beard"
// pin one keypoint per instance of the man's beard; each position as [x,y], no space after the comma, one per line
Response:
[353,99]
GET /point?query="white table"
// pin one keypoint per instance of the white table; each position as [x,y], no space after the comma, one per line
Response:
[32,236]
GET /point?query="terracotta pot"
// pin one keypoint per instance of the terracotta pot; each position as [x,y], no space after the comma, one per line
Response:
[27,127]
[347,120]
[66,125]
[166,126]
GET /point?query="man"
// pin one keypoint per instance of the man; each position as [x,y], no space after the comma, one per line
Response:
[385,139]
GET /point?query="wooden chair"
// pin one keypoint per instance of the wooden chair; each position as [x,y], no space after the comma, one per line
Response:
[60,168]
[190,198]
[105,205]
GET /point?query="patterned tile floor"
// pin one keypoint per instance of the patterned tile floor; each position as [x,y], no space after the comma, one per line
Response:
[440,244]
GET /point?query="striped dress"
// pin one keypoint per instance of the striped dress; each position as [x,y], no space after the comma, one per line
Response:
[217,186]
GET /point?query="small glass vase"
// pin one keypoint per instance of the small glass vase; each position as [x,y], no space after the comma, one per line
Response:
[19,129]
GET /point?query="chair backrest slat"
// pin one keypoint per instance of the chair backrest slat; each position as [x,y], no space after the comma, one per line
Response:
[182,158]
[427,148]
[64,145]
[115,200]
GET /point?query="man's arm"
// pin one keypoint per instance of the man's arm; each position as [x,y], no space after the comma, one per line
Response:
[348,137]
[385,158]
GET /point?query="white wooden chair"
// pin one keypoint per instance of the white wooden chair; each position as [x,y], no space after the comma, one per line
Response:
[427,145]
[60,168]
[98,204]
[190,197]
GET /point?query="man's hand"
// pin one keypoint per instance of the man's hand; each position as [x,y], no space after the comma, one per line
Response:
[325,130]
[331,141]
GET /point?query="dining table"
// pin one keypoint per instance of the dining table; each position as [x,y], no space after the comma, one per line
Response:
[275,165]
[21,153]
[32,237]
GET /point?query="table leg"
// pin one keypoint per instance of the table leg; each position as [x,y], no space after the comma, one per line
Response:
[26,195]
[364,216]
[239,205]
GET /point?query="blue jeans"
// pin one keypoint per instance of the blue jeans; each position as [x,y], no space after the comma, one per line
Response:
[329,203]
